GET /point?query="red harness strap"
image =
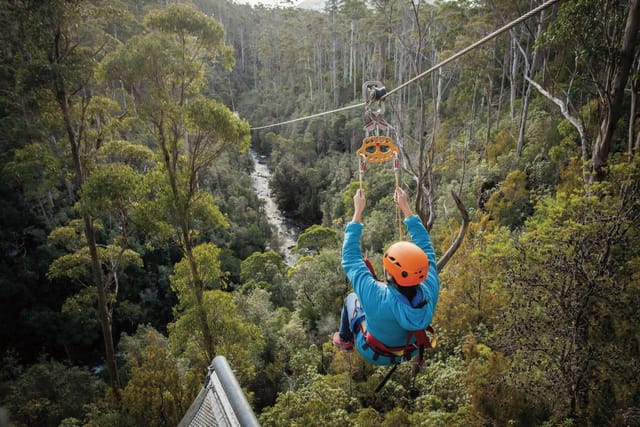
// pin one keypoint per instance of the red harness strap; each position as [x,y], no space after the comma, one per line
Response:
[404,353]
[422,341]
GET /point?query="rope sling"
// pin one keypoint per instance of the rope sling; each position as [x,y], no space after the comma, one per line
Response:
[377,147]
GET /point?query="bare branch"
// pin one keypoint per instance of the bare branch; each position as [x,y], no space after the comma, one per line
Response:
[575,121]
[461,233]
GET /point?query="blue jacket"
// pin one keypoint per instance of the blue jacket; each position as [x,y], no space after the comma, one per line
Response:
[389,315]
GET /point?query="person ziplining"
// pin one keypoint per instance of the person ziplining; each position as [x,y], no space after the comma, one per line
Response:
[387,322]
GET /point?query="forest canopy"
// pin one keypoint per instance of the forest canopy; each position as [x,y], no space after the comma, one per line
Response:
[136,247]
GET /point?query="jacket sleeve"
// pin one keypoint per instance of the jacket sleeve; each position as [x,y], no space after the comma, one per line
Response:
[364,284]
[420,236]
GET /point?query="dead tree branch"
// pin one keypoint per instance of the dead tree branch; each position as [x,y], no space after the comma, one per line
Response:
[461,233]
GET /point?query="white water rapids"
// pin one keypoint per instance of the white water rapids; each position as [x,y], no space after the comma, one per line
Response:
[286,234]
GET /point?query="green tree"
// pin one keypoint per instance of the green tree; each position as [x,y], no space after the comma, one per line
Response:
[289,185]
[471,297]
[165,70]
[267,269]
[249,230]
[607,49]
[320,286]
[49,392]
[441,387]
[37,170]
[154,394]
[109,196]
[315,238]
[66,40]
[571,286]
[319,402]
[240,342]
[263,266]
[510,205]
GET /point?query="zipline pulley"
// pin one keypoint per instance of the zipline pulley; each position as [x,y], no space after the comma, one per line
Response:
[373,93]
[377,146]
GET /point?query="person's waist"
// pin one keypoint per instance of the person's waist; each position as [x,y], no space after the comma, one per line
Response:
[378,345]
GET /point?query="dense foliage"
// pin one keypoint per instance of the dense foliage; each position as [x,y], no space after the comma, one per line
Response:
[136,249]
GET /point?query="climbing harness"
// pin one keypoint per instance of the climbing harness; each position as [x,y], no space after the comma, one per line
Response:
[425,339]
[377,145]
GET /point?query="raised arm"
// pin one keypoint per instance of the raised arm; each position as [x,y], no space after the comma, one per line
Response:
[359,203]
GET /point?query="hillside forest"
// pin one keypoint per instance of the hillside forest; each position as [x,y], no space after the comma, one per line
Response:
[135,248]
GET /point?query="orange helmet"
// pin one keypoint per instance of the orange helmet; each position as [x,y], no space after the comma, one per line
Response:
[407,263]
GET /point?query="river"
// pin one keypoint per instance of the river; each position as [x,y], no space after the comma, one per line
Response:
[286,233]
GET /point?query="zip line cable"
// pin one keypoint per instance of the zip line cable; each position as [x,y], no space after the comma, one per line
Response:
[485,39]
[476,44]
[348,107]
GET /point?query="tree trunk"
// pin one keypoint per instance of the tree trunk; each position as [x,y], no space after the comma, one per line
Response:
[576,122]
[96,270]
[503,79]
[615,93]
[170,155]
[513,77]
[632,116]
[529,73]
[468,137]
[353,65]
[103,309]
[489,98]
[198,287]
[334,62]
[461,233]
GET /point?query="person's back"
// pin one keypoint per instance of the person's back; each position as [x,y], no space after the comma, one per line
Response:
[392,317]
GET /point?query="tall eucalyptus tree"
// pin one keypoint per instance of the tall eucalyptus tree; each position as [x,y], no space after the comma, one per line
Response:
[164,69]
[62,43]
[595,44]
